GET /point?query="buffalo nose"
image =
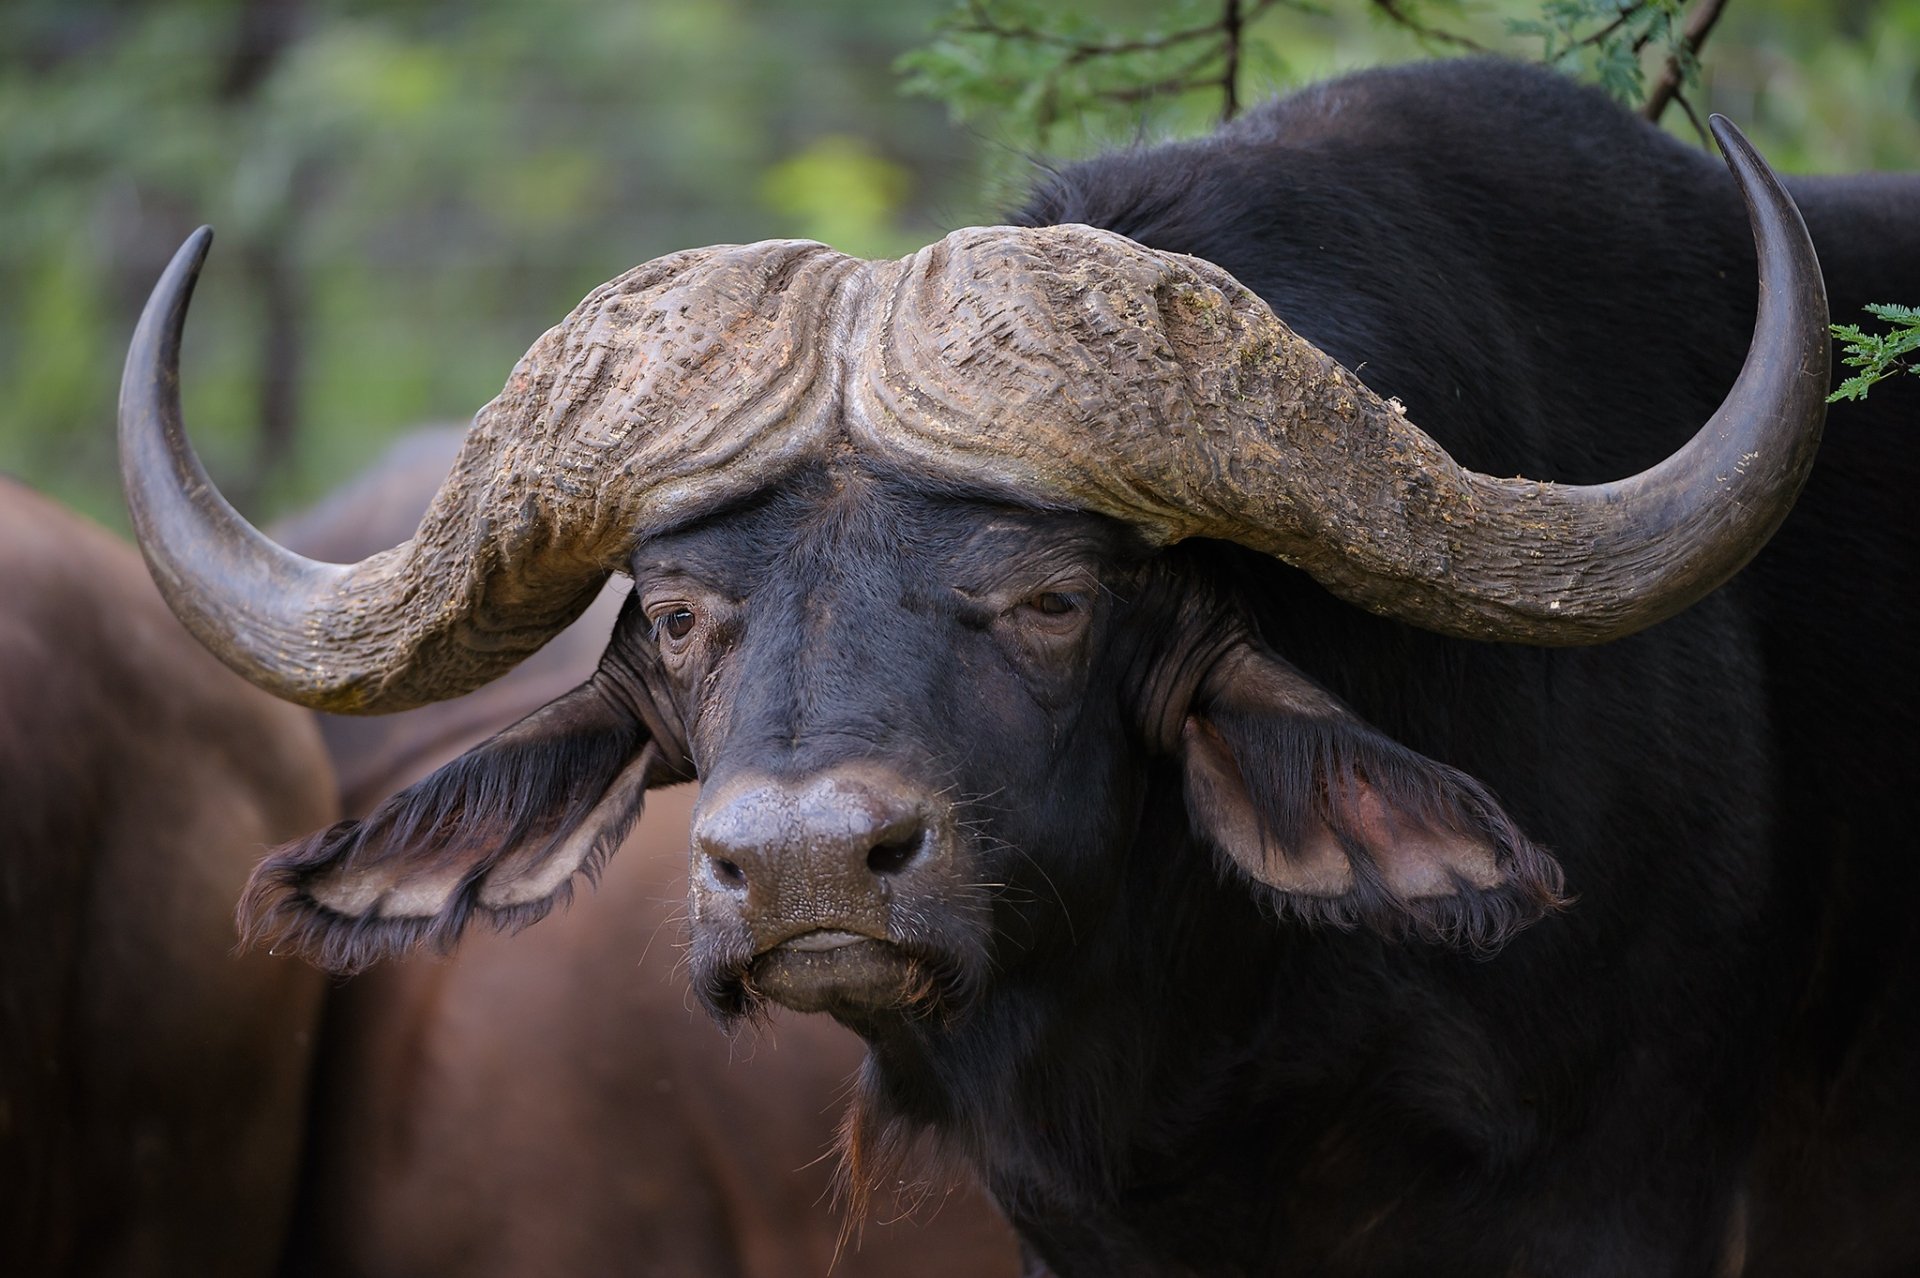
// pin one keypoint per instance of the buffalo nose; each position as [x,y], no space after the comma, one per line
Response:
[839,833]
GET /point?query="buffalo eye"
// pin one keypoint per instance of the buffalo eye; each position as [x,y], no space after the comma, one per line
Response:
[1059,614]
[674,622]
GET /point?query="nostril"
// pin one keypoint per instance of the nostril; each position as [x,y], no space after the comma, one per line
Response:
[729,873]
[895,855]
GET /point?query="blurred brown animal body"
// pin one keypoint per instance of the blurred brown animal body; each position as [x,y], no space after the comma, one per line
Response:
[554,1103]
[152,1084]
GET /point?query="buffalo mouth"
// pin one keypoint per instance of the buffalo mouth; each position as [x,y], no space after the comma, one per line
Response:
[849,973]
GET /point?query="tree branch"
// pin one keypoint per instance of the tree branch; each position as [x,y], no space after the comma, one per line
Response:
[1699,27]
[984,23]
[1392,10]
[1230,22]
[1224,41]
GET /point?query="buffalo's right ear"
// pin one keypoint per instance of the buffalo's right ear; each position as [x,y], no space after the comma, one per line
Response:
[1343,824]
[498,834]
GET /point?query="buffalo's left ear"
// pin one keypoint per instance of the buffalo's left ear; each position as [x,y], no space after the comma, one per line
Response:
[1345,825]
[496,835]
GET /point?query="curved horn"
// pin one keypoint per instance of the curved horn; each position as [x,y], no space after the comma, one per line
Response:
[555,480]
[1156,388]
[239,593]
[1062,363]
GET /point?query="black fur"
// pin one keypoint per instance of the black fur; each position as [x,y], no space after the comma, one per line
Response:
[1708,1055]
[1161,1077]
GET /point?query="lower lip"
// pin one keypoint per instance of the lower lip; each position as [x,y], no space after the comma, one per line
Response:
[838,972]
[817,942]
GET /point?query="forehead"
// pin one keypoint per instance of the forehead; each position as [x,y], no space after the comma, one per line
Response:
[823,516]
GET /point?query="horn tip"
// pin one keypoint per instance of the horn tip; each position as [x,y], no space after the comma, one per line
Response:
[1727,134]
[193,249]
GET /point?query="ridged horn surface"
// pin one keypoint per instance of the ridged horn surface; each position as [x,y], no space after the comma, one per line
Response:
[1082,369]
[687,379]
[1064,366]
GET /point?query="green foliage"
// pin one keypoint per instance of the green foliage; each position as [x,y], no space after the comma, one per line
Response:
[1822,85]
[422,187]
[408,191]
[1033,67]
[1604,41]
[1878,356]
[1043,64]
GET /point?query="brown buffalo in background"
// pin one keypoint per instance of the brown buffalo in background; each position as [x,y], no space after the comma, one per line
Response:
[554,1104]
[152,1083]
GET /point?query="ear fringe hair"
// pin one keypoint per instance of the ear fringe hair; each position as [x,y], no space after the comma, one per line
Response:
[1309,761]
[518,790]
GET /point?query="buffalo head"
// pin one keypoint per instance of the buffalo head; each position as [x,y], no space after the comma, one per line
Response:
[927,723]
[923,595]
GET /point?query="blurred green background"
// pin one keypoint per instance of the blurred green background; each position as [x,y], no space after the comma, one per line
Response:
[406,193]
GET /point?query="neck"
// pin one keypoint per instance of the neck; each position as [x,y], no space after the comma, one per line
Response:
[1098,1086]
[1182,1084]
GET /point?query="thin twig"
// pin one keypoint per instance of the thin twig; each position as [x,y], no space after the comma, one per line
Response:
[1224,37]
[1158,89]
[984,23]
[1230,62]
[1627,13]
[1185,78]
[1233,22]
[1693,118]
[1699,27]
[1392,10]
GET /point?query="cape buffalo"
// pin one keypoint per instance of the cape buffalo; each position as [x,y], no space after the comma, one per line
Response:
[152,1084]
[1110,703]
[650,1146]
